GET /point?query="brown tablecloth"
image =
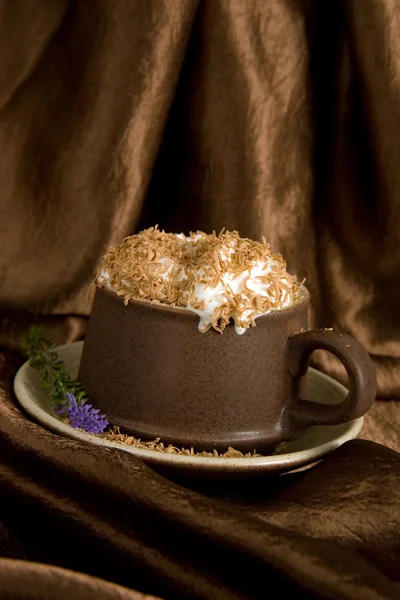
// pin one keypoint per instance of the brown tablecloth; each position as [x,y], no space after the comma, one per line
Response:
[276,118]
[332,531]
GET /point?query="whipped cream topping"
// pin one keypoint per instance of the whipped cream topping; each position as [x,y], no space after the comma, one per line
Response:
[218,277]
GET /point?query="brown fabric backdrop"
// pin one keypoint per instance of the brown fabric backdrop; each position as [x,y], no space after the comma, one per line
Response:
[276,118]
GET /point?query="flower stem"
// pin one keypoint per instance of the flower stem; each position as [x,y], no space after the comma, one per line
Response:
[54,378]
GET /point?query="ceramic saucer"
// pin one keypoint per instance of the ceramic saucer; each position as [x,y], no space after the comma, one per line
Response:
[311,447]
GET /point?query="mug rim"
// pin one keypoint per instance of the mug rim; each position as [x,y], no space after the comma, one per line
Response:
[183,312]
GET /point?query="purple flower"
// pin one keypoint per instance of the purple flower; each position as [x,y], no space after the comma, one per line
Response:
[82,415]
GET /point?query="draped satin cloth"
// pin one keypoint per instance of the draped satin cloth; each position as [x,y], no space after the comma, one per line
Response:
[276,118]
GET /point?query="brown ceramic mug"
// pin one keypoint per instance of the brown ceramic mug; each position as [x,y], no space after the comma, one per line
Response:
[155,375]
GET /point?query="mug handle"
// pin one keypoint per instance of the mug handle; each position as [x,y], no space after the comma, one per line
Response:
[359,367]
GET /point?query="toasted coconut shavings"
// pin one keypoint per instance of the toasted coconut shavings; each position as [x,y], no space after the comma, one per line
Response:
[115,435]
[219,277]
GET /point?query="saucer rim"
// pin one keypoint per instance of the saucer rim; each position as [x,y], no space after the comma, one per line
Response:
[26,380]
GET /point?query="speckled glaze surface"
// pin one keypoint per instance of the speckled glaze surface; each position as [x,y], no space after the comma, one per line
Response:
[155,375]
